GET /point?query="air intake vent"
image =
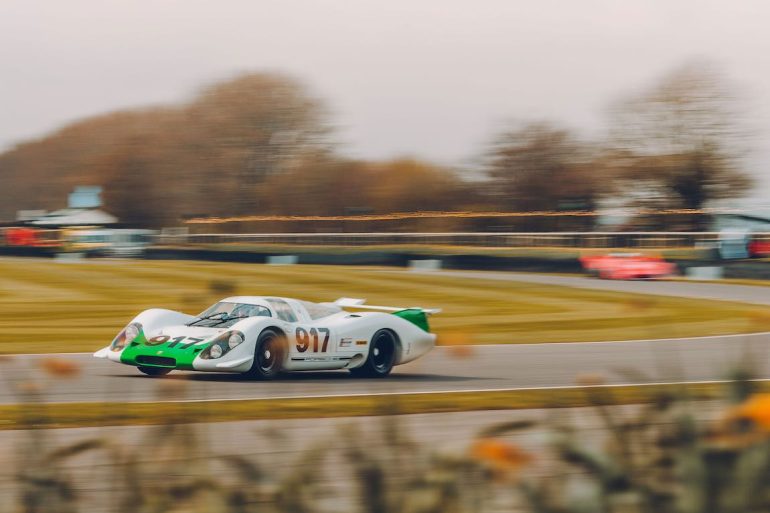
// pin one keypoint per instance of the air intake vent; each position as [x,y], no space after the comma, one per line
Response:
[158,361]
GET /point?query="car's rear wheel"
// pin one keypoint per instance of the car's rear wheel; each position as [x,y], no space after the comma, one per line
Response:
[382,356]
[154,371]
[268,355]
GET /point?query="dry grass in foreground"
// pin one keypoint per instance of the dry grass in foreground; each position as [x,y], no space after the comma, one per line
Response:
[664,456]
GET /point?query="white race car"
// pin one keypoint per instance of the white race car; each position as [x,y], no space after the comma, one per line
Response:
[263,336]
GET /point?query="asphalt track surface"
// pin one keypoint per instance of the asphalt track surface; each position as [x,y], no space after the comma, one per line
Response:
[477,368]
[754,294]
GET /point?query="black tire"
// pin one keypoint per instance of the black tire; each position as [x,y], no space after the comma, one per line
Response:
[382,356]
[154,371]
[268,355]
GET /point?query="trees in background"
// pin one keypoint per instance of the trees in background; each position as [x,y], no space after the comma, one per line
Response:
[207,157]
[680,143]
[677,145]
[259,144]
[250,128]
[543,167]
[102,150]
[321,184]
[324,184]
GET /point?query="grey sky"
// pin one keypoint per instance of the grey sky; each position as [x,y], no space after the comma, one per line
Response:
[429,78]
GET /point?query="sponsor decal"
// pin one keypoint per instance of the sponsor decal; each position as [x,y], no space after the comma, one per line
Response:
[346,342]
[361,342]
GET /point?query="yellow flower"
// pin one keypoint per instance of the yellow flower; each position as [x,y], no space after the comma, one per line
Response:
[756,410]
[501,456]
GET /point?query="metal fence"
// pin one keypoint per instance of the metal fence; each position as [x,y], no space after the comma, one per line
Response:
[641,240]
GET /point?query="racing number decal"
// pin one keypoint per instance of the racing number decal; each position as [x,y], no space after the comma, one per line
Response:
[303,339]
[161,339]
[192,342]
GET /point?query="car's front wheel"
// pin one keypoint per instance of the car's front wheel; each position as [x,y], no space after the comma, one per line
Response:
[268,356]
[382,356]
[154,371]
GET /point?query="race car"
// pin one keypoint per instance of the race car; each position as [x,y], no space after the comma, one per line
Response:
[261,337]
[627,266]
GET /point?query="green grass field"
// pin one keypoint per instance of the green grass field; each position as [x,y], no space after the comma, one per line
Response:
[49,306]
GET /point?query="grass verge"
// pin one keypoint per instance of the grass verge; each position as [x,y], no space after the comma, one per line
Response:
[70,415]
[48,306]
[731,281]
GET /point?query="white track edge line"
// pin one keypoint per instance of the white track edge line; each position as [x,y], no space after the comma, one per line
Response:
[424,392]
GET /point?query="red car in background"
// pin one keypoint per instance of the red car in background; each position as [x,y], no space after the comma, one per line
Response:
[627,266]
[759,248]
[31,237]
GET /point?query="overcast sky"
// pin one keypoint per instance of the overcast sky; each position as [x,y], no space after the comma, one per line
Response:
[428,78]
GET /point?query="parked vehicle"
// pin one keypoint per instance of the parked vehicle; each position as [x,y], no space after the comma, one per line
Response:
[112,242]
[25,236]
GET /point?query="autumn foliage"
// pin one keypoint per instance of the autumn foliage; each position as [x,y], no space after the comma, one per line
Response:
[262,144]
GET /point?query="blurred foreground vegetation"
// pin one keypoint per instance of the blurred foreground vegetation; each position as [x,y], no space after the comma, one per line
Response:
[670,455]
[48,306]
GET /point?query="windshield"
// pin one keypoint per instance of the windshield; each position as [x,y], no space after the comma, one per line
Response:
[224,314]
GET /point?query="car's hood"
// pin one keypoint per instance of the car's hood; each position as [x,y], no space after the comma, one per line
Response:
[182,330]
[176,346]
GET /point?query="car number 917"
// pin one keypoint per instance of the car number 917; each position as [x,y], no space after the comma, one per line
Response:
[305,337]
[162,339]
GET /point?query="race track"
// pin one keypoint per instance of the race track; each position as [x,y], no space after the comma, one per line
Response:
[485,368]
[753,294]
[446,369]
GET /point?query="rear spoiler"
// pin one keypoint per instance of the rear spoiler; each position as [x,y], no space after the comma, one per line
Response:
[350,302]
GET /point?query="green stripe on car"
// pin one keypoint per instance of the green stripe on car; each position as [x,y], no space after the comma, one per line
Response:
[170,354]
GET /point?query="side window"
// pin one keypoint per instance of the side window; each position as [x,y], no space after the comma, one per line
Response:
[317,311]
[282,310]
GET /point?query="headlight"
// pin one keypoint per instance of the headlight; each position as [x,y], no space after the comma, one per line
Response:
[235,339]
[216,351]
[126,336]
[132,331]
[222,345]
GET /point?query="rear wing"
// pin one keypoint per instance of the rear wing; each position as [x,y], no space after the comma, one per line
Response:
[350,302]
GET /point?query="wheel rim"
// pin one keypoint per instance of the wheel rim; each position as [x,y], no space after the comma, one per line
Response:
[267,358]
[383,351]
